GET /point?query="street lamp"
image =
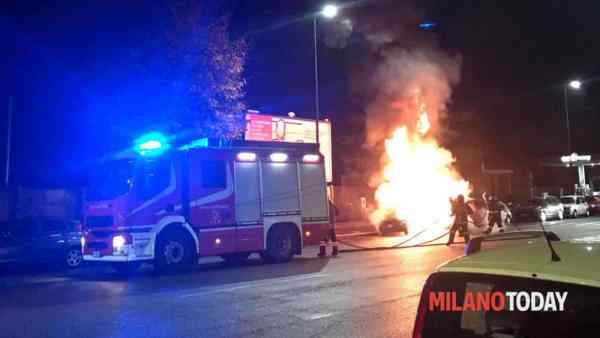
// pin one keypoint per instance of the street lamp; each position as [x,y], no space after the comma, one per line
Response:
[576,85]
[329,12]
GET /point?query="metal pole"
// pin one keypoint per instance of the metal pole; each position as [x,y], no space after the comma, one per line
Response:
[318,112]
[568,124]
[8,139]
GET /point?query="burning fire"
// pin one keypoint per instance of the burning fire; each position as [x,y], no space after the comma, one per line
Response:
[418,179]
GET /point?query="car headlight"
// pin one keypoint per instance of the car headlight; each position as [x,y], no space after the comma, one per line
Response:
[82,242]
[118,242]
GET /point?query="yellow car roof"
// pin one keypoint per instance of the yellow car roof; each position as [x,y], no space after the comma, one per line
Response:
[578,265]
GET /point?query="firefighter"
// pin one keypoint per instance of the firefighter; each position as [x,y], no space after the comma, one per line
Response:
[496,208]
[461,212]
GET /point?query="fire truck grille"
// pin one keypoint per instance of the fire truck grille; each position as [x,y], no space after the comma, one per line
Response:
[99,222]
[102,234]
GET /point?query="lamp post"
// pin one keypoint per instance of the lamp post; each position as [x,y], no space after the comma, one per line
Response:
[576,85]
[329,12]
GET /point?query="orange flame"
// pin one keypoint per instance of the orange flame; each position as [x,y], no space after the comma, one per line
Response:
[423,124]
[418,179]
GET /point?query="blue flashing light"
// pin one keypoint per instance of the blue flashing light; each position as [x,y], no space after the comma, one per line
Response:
[427,25]
[152,144]
[199,143]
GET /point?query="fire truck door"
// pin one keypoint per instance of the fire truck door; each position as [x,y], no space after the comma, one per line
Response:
[211,205]
[249,227]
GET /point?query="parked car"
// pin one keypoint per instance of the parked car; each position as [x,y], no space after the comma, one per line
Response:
[41,241]
[593,204]
[575,206]
[392,225]
[540,209]
[527,269]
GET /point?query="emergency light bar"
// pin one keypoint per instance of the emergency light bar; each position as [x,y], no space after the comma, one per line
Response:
[311,158]
[278,157]
[151,144]
[246,157]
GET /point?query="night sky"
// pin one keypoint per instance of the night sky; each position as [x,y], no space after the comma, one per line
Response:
[86,75]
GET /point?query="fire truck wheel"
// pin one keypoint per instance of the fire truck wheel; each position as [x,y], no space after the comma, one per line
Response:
[236,258]
[126,268]
[174,250]
[280,245]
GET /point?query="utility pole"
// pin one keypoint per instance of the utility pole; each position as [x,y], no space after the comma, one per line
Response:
[8,139]
[566,96]
[317,108]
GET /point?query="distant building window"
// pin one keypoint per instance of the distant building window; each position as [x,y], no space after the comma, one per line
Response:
[213,174]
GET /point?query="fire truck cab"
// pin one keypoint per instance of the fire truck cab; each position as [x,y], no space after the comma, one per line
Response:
[176,205]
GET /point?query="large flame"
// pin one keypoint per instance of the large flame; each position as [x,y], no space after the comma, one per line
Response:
[418,179]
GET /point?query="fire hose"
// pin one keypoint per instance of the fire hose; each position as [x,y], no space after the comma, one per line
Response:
[359,248]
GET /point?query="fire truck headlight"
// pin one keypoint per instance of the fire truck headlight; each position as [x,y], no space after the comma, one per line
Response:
[311,158]
[246,156]
[278,157]
[118,242]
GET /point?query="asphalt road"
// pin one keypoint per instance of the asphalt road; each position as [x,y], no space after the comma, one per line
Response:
[358,294]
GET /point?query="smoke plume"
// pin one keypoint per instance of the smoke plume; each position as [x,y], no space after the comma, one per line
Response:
[408,72]
[408,82]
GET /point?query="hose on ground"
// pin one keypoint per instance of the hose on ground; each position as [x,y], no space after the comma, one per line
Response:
[358,248]
[395,245]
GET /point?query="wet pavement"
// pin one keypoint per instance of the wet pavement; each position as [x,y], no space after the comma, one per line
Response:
[358,294]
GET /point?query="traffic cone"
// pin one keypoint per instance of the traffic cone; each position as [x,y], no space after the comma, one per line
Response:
[322,249]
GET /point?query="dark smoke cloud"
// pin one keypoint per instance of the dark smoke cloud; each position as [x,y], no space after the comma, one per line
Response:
[403,61]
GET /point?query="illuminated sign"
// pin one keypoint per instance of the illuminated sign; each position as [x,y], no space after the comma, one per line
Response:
[270,128]
[574,157]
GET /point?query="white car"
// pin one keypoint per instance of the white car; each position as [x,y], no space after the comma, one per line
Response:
[575,206]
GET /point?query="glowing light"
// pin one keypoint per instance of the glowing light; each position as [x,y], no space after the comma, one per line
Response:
[418,179]
[82,240]
[118,242]
[311,158]
[199,143]
[246,157]
[217,241]
[574,157]
[278,157]
[151,144]
[575,84]
[330,11]
[427,25]
[307,234]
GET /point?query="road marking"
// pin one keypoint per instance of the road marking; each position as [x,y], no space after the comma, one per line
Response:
[587,223]
[256,284]
[318,316]
[586,239]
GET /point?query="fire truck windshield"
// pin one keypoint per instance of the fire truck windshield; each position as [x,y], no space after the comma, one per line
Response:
[152,177]
[110,180]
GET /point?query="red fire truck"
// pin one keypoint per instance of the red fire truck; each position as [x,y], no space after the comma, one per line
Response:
[170,206]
